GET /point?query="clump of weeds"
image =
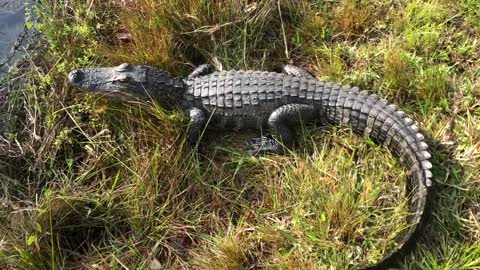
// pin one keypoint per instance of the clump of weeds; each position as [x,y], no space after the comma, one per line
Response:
[91,184]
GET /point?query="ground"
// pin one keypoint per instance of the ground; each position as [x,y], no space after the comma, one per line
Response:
[91,184]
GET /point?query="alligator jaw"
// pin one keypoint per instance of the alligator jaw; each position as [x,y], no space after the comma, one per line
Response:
[130,83]
[125,82]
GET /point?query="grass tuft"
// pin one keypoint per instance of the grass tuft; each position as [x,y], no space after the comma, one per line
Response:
[170,33]
[352,18]
[91,184]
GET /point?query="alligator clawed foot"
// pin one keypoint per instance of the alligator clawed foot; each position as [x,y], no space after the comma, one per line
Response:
[198,147]
[264,145]
[254,145]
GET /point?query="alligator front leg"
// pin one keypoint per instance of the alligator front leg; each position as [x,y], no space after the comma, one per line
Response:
[197,123]
[201,70]
[282,123]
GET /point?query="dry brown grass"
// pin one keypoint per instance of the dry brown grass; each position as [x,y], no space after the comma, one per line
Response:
[99,185]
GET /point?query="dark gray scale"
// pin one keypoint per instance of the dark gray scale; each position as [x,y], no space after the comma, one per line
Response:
[357,114]
[419,154]
[245,89]
[404,121]
[328,85]
[418,140]
[195,92]
[406,152]
[347,109]
[230,121]
[392,140]
[408,157]
[251,117]
[229,91]
[204,92]
[294,86]
[336,87]
[398,145]
[379,116]
[262,93]
[287,88]
[319,87]
[277,82]
[269,89]
[303,85]
[212,92]
[387,124]
[237,92]
[391,109]
[402,136]
[332,108]
[329,101]
[324,104]
[340,105]
[371,111]
[390,131]
[348,87]
[221,94]
[254,98]
[416,170]
[355,111]
[190,91]
[405,124]
[197,89]
[411,138]
[311,90]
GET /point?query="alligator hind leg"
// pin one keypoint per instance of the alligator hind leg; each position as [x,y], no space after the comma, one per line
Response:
[201,70]
[282,123]
[197,123]
[297,71]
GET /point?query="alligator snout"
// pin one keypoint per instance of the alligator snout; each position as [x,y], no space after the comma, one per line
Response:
[75,77]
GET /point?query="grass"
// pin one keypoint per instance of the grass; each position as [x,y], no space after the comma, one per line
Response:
[87,184]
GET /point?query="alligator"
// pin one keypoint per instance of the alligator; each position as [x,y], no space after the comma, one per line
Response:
[279,101]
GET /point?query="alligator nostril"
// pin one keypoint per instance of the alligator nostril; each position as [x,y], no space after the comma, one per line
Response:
[74,76]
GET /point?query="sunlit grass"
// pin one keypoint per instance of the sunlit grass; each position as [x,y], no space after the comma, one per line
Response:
[93,185]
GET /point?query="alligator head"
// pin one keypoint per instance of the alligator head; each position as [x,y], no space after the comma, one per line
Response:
[129,83]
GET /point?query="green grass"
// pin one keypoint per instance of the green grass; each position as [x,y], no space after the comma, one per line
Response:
[87,184]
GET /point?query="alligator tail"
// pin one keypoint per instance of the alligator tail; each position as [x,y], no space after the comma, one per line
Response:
[371,116]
